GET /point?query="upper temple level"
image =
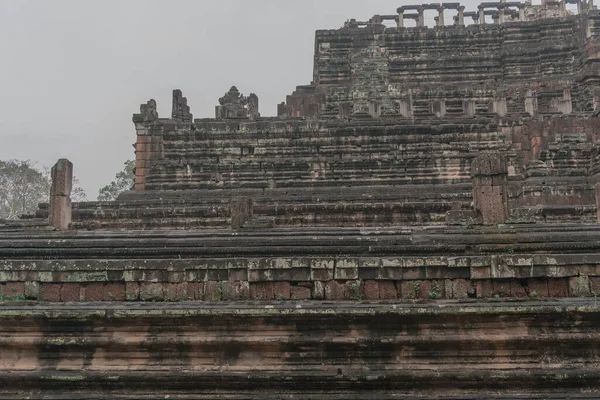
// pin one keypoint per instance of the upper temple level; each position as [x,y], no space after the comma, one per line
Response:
[513,58]
[389,129]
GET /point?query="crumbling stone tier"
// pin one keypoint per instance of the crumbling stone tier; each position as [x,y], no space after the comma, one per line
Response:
[420,220]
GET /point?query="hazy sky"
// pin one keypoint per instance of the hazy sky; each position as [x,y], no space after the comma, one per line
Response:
[72,72]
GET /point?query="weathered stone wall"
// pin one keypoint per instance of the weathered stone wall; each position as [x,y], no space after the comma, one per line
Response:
[325,264]
[515,67]
[269,350]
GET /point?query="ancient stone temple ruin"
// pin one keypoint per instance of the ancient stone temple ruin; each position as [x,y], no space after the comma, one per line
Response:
[421,220]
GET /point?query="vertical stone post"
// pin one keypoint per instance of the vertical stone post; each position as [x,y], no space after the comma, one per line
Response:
[148,145]
[440,21]
[461,16]
[60,194]
[597,187]
[400,20]
[489,174]
[481,16]
[501,15]
[521,13]
[421,20]
[241,210]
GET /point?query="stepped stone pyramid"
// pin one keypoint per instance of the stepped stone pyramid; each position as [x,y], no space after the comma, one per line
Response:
[420,221]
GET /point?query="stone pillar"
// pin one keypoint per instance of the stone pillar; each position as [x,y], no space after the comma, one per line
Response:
[60,194]
[461,16]
[469,108]
[499,107]
[597,187]
[481,16]
[421,20]
[521,13]
[438,108]
[489,174]
[440,21]
[400,19]
[148,146]
[501,15]
[579,7]
[241,210]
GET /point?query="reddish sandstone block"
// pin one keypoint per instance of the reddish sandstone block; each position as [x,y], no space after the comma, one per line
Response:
[215,291]
[484,289]
[410,289]
[595,285]
[371,290]
[237,290]
[299,293]
[538,288]
[195,290]
[132,291]
[70,292]
[517,289]
[261,291]
[558,287]
[175,291]
[94,292]
[114,291]
[425,288]
[13,289]
[335,290]
[281,290]
[387,290]
[460,289]
[50,292]
[151,291]
[501,288]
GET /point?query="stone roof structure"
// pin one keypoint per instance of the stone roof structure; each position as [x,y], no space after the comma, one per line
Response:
[419,221]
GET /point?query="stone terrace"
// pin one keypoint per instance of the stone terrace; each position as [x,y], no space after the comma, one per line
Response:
[420,221]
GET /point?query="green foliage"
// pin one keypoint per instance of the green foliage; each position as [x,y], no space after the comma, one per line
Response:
[417,288]
[123,181]
[435,294]
[355,287]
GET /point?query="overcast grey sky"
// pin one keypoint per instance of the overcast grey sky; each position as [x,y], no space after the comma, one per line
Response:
[74,71]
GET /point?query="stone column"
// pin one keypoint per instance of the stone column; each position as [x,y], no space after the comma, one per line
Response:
[60,194]
[440,21]
[421,20]
[400,19]
[501,15]
[241,210]
[148,145]
[481,16]
[521,13]
[461,16]
[489,173]
[597,187]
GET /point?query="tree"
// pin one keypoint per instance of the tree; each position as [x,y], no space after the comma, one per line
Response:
[22,187]
[77,192]
[124,180]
